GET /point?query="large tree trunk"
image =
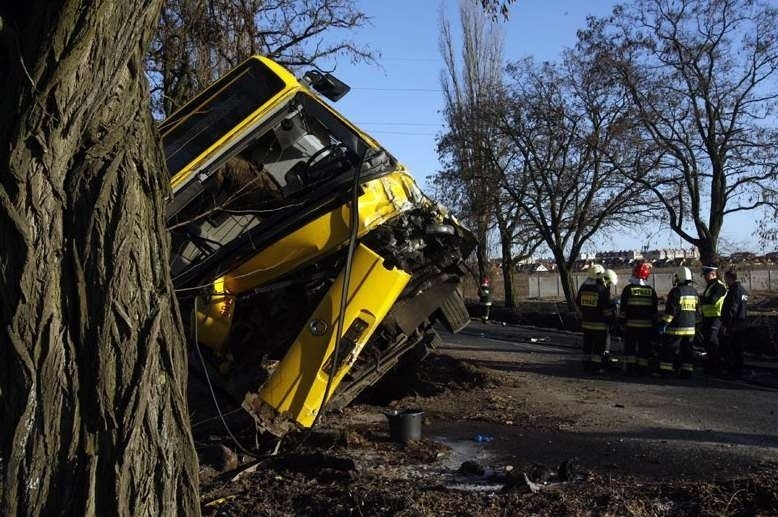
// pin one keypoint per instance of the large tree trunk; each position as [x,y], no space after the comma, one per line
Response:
[92,360]
[508,266]
[708,250]
[566,279]
[481,253]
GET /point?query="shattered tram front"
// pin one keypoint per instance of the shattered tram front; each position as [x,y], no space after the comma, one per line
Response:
[295,300]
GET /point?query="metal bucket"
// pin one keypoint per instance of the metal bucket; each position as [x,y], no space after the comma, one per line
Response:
[405,426]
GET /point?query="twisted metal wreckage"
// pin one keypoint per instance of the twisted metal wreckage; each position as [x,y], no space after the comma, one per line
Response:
[298,300]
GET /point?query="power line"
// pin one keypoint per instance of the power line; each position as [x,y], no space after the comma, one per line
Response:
[436,90]
[403,133]
[399,124]
[426,59]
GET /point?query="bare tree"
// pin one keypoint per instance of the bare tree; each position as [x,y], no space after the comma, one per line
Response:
[497,7]
[518,240]
[470,81]
[93,362]
[702,74]
[197,41]
[562,125]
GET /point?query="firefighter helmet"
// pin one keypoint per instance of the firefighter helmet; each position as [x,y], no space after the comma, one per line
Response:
[596,271]
[683,275]
[611,278]
[642,269]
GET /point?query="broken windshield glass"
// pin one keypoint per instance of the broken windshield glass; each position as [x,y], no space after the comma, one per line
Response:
[280,167]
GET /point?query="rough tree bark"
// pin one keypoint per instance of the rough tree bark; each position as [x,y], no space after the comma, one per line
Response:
[508,266]
[92,360]
[565,270]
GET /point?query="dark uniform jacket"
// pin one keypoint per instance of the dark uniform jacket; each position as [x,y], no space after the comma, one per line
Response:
[712,299]
[733,310]
[681,310]
[594,301]
[638,306]
[485,294]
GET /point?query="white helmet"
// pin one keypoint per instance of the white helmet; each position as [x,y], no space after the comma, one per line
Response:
[611,278]
[683,275]
[596,271]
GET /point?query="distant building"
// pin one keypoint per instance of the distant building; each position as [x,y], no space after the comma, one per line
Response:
[623,258]
[771,256]
[743,256]
[617,258]
[672,254]
[526,261]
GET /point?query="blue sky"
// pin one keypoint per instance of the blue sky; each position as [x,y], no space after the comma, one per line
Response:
[399,102]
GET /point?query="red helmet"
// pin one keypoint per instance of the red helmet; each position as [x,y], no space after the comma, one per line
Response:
[641,270]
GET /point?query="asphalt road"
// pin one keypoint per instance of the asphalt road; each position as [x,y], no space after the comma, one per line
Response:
[646,426]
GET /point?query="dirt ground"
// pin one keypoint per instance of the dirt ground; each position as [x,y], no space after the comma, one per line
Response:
[495,442]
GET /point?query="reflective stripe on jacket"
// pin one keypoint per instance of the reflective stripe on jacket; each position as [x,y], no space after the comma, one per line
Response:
[712,299]
[681,310]
[638,306]
[594,302]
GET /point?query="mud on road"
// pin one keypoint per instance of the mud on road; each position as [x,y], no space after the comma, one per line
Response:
[552,442]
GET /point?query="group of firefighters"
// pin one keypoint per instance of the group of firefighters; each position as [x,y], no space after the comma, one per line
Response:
[669,336]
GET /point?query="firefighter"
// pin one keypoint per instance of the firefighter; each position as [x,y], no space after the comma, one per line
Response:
[710,306]
[677,327]
[733,321]
[595,274]
[594,302]
[638,317]
[611,278]
[611,282]
[485,298]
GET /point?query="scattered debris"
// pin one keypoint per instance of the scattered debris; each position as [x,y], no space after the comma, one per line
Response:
[247,469]
[312,464]
[471,468]
[220,500]
[449,473]
[568,470]
[533,487]
[218,457]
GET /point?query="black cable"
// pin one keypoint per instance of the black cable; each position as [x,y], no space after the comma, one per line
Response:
[354,229]
[210,387]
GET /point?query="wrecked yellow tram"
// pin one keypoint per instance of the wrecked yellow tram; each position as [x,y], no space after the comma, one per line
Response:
[299,300]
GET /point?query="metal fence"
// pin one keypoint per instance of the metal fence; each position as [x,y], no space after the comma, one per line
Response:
[547,285]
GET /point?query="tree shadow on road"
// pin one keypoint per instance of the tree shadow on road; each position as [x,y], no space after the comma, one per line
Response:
[570,368]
